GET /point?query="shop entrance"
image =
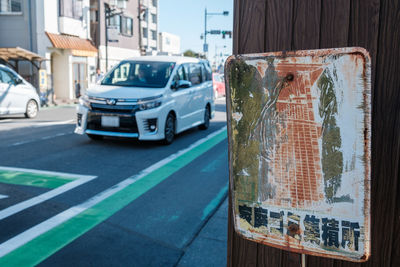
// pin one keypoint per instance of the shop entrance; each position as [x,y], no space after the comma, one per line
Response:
[79,79]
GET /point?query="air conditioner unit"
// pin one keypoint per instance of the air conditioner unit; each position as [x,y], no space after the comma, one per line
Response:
[113,3]
[121,4]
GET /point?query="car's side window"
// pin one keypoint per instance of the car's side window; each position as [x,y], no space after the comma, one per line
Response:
[186,69]
[6,77]
[208,71]
[195,75]
[180,74]
[203,73]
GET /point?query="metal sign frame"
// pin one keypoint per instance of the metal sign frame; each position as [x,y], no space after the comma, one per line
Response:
[299,131]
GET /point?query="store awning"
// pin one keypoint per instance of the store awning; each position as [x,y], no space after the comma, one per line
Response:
[78,46]
[18,53]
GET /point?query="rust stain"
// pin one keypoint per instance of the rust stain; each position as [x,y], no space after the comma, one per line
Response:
[290,150]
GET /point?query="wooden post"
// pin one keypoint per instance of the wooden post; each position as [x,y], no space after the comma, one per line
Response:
[282,25]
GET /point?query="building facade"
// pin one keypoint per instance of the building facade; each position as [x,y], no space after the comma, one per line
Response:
[120,38]
[169,44]
[148,26]
[57,30]
[72,36]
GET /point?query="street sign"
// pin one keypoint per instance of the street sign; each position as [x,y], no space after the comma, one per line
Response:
[42,79]
[299,144]
[113,33]
[205,48]
[215,32]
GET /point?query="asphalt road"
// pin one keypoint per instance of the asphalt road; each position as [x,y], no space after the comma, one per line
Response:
[66,200]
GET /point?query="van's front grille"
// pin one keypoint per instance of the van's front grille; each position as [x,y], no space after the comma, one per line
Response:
[127,124]
[126,109]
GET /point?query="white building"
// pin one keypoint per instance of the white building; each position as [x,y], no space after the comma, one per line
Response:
[149,25]
[65,41]
[169,43]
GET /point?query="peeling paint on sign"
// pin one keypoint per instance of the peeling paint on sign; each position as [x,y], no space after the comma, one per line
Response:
[299,144]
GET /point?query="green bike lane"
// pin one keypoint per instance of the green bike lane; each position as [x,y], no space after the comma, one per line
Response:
[149,218]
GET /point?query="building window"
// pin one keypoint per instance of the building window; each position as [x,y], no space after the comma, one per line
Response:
[154,35]
[126,26]
[167,41]
[71,8]
[10,6]
[154,18]
[144,32]
[155,3]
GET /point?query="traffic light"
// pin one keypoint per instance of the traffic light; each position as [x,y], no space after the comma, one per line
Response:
[224,33]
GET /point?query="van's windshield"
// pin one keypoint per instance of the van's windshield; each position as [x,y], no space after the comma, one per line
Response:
[140,74]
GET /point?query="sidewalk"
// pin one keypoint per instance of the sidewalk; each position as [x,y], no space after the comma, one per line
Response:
[60,103]
[210,247]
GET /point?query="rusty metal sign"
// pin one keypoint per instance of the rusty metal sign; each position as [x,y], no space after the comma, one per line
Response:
[299,150]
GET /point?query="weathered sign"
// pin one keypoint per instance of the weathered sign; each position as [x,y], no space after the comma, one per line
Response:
[299,150]
[42,79]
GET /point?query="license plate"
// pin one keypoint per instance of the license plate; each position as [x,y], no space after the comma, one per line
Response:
[109,121]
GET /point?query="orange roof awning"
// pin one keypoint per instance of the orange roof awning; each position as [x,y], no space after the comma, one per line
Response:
[78,46]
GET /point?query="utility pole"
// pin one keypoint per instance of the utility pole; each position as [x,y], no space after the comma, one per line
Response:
[205,48]
[109,13]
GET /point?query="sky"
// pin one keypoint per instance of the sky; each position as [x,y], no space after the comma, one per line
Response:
[185,18]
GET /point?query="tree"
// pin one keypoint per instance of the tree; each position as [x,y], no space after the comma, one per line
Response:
[191,53]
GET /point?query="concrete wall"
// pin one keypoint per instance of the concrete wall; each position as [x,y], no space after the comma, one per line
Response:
[148,43]
[128,42]
[169,43]
[15,30]
[62,75]
[76,27]
[115,55]
[50,8]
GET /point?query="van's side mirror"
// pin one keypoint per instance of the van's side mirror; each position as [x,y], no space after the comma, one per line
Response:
[18,81]
[181,84]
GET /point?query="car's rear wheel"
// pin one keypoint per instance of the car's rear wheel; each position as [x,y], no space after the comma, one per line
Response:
[206,123]
[169,130]
[95,137]
[31,109]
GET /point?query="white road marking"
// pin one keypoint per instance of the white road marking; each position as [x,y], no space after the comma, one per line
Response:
[37,230]
[35,140]
[3,196]
[45,196]
[58,219]
[51,123]
[63,174]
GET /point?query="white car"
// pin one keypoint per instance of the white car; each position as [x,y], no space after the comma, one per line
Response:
[149,98]
[17,96]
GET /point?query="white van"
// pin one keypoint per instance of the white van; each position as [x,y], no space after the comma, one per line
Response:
[17,96]
[149,98]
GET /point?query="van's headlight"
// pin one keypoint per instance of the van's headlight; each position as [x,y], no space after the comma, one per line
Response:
[84,101]
[149,104]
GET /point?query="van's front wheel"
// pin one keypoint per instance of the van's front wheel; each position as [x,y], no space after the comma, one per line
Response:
[169,130]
